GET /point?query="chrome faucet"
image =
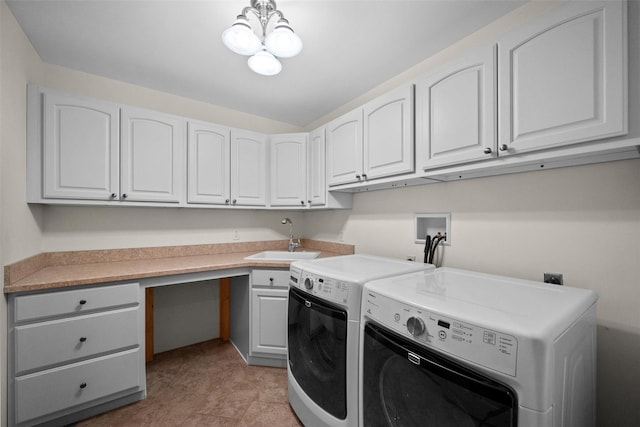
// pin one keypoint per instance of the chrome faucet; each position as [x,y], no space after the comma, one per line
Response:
[292,245]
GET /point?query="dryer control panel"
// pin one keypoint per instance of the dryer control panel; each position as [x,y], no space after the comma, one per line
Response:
[326,288]
[489,348]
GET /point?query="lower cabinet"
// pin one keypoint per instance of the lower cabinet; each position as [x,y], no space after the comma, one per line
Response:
[268,324]
[74,353]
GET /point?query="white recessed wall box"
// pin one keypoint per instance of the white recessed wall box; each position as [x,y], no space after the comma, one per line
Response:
[432,224]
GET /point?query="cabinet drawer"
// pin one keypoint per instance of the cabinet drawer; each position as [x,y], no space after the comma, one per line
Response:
[56,389]
[54,342]
[276,278]
[30,307]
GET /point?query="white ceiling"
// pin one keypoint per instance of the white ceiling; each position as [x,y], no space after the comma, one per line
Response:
[174,46]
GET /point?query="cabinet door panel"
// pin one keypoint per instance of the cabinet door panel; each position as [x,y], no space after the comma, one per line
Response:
[317,185]
[269,321]
[151,159]
[388,134]
[288,170]
[248,168]
[344,148]
[80,148]
[209,159]
[563,77]
[455,110]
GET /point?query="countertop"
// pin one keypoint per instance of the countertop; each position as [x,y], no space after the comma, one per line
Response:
[54,270]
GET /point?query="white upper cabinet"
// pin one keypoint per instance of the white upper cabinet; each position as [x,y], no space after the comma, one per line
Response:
[209,159]
[80,148]
[248,168]
[563,77]
[456,111]
[388,134]
[373,141]
[344,148]
[152,155]
[288,165]
[316,169]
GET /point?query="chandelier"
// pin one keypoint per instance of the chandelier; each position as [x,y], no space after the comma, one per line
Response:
[263,49]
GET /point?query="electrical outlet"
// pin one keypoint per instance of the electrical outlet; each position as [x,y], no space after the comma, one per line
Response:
[553,278]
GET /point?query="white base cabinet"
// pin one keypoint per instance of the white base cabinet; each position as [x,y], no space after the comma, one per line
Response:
[268,308]
[73,351]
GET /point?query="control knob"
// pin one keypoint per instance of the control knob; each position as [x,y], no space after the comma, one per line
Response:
[415,326]
[308,283]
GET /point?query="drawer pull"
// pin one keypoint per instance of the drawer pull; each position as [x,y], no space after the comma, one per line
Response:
[83,339]
[83,385]
[83,301]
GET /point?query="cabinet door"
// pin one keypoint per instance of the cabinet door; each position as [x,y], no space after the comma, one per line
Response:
[344,148]
[456,110]
[152,156]
[388,134]
[288,165]
[248,168]
[316,170]
[563,77]
[81,145]
[209,158]
[269,320]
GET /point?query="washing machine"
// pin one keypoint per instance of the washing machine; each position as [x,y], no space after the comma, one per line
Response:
[323,333]
[450,347]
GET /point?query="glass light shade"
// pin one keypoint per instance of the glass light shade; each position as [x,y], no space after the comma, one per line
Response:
[241,39]
[283,42]
[265,63]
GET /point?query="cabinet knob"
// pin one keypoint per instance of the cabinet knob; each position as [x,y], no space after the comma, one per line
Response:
[358,177]
[234,201]
[488,150]
[364,176]
[309,201]
[302,202]
[504,147]
[125,195]
[226,201]
[83,301]
[83,385]
[113,195]
[83,339]
[271,280]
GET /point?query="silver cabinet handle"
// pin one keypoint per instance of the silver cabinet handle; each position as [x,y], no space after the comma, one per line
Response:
[504,147]
[488,150]
[358,177]
[125,195]
[226,201]
[234,201]
[113,195]
[364,176]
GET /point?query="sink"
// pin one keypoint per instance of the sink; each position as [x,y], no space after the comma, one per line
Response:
[283,255]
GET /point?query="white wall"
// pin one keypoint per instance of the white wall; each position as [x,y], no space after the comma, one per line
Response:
[582,221]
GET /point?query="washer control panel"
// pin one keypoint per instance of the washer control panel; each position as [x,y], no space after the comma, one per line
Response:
[486,347]
[326,288]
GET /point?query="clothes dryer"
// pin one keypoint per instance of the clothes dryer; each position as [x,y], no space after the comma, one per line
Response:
[323,333]
[451,347]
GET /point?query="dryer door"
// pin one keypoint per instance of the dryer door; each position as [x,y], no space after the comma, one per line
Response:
[317,333]
[407,385]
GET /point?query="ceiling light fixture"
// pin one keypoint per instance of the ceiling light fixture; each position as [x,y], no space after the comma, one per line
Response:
[262,48]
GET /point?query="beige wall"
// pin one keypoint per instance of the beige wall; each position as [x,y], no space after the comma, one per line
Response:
[581,221]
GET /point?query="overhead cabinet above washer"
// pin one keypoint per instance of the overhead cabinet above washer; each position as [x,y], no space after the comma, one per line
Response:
[373,141]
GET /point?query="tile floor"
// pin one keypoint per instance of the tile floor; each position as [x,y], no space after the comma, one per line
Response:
[206,384]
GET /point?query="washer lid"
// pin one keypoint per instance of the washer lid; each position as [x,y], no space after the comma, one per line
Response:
[515,306]
[359,268]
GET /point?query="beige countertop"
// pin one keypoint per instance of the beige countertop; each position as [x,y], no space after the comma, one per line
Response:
[53,270]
